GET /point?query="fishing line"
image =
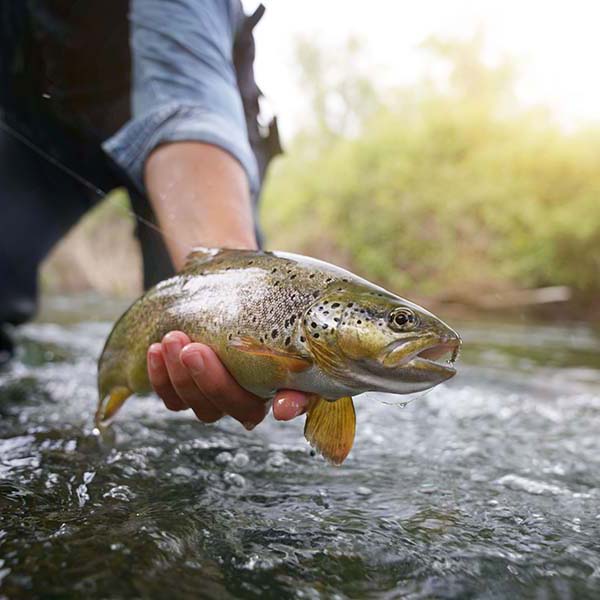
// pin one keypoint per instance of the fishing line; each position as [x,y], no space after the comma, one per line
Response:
[85,182]
[405,403]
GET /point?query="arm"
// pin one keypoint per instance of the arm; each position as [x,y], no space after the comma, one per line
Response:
[200,195]
[187,146]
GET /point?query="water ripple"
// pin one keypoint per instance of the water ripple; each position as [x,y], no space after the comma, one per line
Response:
[486,487]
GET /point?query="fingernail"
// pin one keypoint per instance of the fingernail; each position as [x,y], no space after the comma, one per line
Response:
[154,358]
[173,348]
[249,426]
[297,408]
[193,360]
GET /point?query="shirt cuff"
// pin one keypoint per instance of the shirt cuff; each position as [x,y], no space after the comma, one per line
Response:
[175,122]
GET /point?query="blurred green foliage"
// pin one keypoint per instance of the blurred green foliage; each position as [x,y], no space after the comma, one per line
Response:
[448,188]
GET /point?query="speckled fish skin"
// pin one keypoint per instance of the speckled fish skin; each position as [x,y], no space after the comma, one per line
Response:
[279,320]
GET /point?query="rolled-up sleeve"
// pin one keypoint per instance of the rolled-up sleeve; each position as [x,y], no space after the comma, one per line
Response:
[184,83]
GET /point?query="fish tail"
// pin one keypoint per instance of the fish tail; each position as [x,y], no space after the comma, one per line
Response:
[110,403]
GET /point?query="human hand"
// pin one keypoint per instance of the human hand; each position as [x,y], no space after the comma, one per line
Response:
[190,375]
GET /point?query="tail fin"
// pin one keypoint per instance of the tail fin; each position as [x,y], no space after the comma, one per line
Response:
[109,405]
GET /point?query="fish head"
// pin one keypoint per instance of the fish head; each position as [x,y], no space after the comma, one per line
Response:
[380,341]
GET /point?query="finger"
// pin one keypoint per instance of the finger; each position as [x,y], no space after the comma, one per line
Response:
[216,383]
[289,404]
[159,378]
[205,410]
[182,381]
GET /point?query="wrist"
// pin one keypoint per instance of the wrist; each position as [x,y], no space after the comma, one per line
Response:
[201,197]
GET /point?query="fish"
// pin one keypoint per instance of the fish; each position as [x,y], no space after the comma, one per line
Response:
[284,321]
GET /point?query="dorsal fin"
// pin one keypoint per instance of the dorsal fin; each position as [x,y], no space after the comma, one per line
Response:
[200,255]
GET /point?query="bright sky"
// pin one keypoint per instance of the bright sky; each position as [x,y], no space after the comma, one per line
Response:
[556,43]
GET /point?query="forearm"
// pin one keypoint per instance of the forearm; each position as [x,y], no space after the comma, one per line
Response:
[200,196]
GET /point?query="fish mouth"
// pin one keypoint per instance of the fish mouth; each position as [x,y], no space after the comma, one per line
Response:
[436,355]
[440,356]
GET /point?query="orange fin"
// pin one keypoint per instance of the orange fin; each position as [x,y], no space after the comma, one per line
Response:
[291,362]
[109,405]
[330,427]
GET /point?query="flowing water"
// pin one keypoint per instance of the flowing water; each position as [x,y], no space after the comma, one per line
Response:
[486,487]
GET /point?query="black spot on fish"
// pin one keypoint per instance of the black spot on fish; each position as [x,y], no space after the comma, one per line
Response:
[292,319]
[315,335]
[336,319]
[254,319]
[315,294]
[350,304]
[261,340]
[293,276]
[302,338]
[359,322]
[328,279]
[276,283]
[274,333]
[326,312]
[274,270]
[313,325]
[287,341]
[335,305]
[325,326]
[230,336]
[326,302]
[250,262]
[320,308]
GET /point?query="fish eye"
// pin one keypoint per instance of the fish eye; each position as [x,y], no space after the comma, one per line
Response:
[402,319]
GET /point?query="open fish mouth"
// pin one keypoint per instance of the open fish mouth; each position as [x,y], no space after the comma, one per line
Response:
[439,354]
[442,355]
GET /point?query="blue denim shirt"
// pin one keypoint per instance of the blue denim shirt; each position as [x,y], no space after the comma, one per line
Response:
[184,83]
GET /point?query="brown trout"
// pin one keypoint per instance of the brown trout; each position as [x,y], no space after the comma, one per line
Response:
[279,320]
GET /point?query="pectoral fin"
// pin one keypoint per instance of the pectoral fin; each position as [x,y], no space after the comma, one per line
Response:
[330,427]
[286,360]
[110,404]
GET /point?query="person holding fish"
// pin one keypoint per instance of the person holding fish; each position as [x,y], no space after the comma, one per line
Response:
[178,128]
[236,327]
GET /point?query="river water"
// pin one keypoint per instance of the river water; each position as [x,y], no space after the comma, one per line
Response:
[485,487]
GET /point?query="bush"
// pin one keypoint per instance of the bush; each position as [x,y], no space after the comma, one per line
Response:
[441,193]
